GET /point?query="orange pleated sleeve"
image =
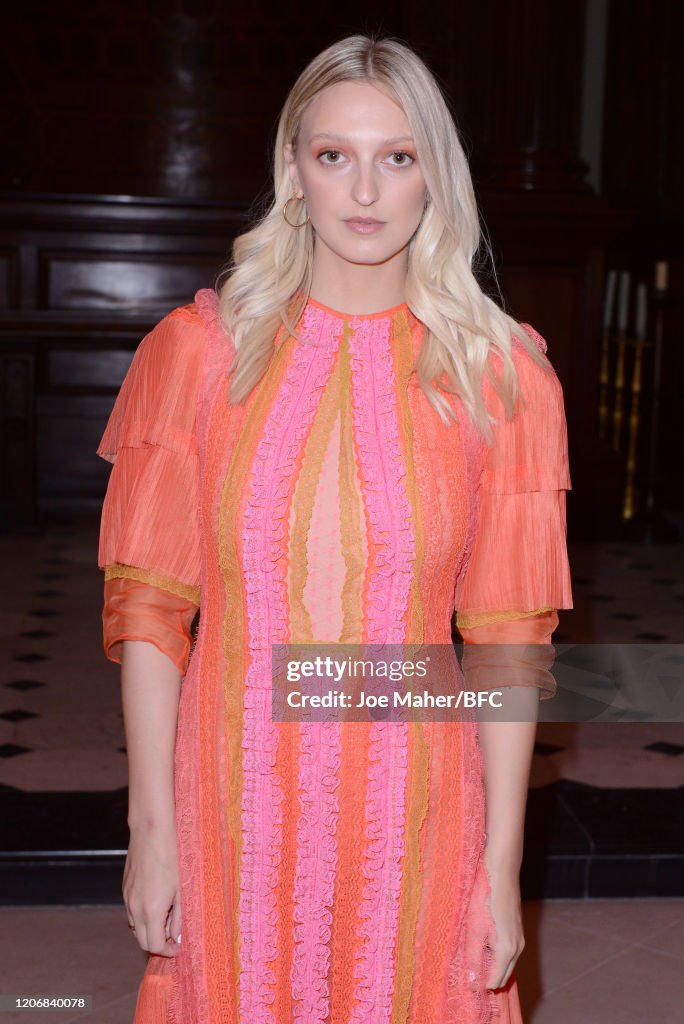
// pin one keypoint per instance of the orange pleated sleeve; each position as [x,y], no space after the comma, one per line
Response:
[149,530]
[519,573]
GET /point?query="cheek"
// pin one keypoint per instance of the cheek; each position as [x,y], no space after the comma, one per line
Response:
[319,182]
[408,201]
[414,191]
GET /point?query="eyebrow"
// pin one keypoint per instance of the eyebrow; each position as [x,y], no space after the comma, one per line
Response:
[347,141]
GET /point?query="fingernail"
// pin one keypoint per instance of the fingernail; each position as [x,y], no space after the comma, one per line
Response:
[178,939]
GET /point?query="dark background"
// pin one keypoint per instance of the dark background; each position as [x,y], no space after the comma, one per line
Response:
[136,137]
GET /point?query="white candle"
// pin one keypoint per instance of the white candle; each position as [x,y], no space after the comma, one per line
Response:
[623,312]
[661,275]
[609,299]
[641,311]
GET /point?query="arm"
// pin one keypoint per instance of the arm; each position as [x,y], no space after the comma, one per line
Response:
[150,553]
[517,577]
[150,687]
[507,756]
[150,691]
[513,653]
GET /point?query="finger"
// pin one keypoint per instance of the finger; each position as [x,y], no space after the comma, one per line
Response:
[505,978]
[171,948]
[507,973]
[141,935]
[158,942]
[497,973]
[137,928]
[173,929]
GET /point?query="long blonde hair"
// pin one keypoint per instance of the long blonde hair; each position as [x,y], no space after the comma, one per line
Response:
[268,280]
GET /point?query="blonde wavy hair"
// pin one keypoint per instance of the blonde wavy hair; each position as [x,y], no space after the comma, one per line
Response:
[267,283]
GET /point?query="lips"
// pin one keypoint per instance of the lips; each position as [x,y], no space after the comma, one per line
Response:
[363,220]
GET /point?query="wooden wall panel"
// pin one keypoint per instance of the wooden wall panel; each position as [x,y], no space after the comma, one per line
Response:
[127,282]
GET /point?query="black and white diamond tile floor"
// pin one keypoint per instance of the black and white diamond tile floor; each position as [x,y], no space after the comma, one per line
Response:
[605,809]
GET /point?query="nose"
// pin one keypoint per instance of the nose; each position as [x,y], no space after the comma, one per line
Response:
[365,189]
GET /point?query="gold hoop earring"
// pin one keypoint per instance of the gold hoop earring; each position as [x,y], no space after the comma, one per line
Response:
[303,224]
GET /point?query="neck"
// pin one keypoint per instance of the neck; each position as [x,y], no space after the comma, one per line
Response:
[358,288]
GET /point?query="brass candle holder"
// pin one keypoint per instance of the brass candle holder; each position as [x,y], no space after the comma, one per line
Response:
[629,506]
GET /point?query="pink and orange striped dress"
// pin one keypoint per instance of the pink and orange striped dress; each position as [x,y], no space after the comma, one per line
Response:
[330,873]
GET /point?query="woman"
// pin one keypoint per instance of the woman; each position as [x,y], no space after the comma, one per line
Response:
[331,451]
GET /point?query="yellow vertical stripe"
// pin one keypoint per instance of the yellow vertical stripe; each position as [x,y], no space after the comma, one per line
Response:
[304,500]
[417,781]
[351,512]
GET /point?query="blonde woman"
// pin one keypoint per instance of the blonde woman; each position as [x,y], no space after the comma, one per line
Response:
[347,443]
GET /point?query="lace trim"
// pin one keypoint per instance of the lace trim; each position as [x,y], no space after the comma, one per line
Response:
[383,470]
[413,882]
[194,997]
[264,537]
[117,570]
[406,342]
[353,539]
[305,500]
[316,869]
[319,765]
[383,856]
[389,515]
[466,620]
[417,972]
[218,429]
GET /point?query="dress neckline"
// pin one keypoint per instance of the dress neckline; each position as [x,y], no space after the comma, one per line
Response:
[382,314]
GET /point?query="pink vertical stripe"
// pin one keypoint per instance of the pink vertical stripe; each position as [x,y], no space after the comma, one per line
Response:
[316,869]
[382,471]
[265,544]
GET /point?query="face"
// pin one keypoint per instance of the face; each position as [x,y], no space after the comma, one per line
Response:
[356,162]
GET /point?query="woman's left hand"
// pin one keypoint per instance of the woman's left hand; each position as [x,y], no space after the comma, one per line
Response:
[509,941]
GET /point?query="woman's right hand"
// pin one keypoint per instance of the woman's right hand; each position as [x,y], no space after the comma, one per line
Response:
[151,889]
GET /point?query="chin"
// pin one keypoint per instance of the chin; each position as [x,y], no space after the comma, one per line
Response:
[369,251]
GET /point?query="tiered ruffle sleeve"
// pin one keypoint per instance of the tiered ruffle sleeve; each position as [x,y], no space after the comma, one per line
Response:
[149,531]
[518,574]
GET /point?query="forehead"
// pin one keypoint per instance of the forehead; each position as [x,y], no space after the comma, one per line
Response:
[354,108]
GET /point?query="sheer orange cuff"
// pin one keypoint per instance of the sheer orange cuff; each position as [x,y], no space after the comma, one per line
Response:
[134,610]
[522,656]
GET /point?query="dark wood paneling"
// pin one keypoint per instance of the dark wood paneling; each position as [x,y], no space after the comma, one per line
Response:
[643,143]
[125,281]
[71,369]
[9,278]
[85,280]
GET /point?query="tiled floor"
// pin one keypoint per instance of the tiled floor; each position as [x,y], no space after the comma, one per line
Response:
[584,962]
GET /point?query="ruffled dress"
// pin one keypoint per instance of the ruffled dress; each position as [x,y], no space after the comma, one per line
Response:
[330,872]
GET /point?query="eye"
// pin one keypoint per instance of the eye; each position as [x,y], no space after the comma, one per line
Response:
[335,153]
[405,158]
